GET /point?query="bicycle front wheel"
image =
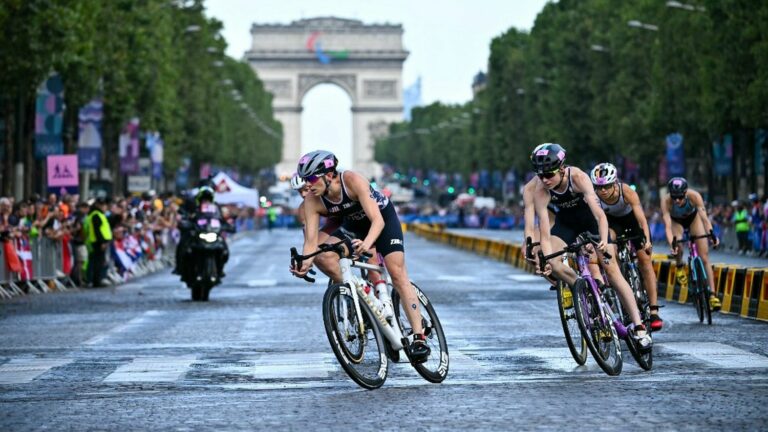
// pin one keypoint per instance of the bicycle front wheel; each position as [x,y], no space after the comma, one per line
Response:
[359,347]
[577,345]
[703,286]
[694,285]
[596,325]
[435,368]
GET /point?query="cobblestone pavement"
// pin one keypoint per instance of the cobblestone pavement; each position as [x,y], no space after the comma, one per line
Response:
[142,356]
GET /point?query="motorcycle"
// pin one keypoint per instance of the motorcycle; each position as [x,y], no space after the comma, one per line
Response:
[206,247]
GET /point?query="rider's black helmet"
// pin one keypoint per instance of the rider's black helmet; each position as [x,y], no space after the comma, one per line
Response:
[547,157]
[677,187]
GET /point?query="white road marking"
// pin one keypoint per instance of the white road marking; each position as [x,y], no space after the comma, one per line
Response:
[525,278]
[136,322]
[457,278]
[721,355]
[262,282]
[152,369]
[297,365]
[24,370]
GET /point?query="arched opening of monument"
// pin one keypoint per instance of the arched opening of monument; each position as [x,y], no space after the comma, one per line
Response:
[326,122]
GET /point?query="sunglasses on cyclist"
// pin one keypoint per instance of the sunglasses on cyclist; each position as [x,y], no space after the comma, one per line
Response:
[312,179]
[603,187]
[678,198]
[548,175]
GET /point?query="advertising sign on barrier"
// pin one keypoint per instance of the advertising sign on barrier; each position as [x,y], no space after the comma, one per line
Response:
[62,174]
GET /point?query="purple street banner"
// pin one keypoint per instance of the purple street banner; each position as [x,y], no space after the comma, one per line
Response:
[89,138]
[49,107]
[62,174]
[129,147]
[675,155]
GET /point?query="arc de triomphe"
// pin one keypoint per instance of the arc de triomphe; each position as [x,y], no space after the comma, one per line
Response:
[365,60]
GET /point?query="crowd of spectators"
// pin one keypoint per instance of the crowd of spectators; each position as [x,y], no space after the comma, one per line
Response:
[141,229]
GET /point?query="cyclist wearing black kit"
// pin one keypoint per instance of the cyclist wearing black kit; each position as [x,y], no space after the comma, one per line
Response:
[370,216]
[578,211]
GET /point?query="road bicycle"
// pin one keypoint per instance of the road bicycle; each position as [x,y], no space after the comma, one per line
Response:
[577,344]
[627,258]
[365,331]
[595,318]
[699,289]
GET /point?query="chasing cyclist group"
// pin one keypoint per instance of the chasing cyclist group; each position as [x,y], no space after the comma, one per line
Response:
[561,202]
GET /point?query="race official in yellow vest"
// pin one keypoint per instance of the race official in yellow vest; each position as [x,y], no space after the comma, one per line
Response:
[98,234]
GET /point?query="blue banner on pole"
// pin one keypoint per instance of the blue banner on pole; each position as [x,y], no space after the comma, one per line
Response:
[722,154]
[89,139]
[49,107]
[675,155]
[760,150]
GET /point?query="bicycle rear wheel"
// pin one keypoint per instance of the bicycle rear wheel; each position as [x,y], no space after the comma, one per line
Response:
[359,351]
[435,368]
[644,359]
[577,345]
[596,325]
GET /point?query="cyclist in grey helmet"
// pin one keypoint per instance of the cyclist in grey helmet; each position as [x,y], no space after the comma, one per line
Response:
[370,216]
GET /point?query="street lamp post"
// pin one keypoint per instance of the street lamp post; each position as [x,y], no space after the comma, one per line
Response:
[642,25]
[686,6]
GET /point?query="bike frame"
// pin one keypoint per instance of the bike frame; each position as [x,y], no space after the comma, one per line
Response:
[357,285]
[693,256]
[582,262]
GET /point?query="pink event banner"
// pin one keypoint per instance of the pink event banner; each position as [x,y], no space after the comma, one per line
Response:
[62,171]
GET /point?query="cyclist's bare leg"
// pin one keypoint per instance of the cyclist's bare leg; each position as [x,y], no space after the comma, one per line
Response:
[697,229]
[620,284]
[395,263]
[649,276]
[328,262]
[561,271]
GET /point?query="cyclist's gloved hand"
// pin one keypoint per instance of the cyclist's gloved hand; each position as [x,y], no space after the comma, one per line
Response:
[715,240]
[648,247]
[547,269]
[360,246]
[602,245]
[306,266]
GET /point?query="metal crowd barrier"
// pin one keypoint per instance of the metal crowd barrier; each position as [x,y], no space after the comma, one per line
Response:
[48,265]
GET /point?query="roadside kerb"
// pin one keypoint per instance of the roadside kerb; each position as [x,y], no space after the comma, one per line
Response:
[742,291]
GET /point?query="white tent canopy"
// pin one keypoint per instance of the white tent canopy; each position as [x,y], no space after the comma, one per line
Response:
[229,191]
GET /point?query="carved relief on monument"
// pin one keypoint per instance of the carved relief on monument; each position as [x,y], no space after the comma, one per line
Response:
[279,88]
[345,81]
[377,129]
[380,89]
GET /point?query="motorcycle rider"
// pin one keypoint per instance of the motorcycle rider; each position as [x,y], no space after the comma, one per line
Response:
[202,205]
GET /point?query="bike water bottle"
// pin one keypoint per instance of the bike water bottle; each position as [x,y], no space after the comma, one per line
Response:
[383,294]
[373,300]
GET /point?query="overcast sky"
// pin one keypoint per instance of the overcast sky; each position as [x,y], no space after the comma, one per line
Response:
[448,42]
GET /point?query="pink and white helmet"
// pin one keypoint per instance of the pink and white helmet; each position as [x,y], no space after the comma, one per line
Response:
[603,174]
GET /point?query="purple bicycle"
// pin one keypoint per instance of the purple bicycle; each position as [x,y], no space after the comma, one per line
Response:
[596,320]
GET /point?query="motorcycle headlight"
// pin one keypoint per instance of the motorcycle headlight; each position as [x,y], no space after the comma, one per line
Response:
[208,237]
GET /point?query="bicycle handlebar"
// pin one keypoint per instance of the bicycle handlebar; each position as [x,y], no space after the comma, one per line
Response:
[297,260]
[581,241]
[529,244]
[675,241]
